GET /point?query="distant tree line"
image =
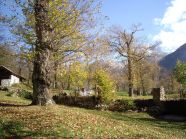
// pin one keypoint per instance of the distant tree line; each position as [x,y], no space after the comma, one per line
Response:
[57,45]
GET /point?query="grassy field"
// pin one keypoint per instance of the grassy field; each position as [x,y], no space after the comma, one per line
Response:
[18,120]
[124,95]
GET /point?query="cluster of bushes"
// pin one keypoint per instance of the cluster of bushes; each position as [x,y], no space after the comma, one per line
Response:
[25,94]
[177,107]
[173,107]
[20,93]
[122,105]
[93,102]
[3,88]
[20,90]
[144,104]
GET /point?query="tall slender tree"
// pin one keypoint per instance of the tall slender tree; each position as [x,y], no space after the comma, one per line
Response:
[127,46]
[123,43]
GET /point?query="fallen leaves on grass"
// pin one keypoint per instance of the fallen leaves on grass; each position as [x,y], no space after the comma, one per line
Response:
[68,122]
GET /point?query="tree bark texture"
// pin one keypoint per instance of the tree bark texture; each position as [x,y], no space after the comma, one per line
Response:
[43,53]
[130,78]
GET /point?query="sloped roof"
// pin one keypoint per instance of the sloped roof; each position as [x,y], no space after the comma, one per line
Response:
[13,73]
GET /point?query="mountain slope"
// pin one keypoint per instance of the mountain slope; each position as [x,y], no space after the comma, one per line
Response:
[169,61]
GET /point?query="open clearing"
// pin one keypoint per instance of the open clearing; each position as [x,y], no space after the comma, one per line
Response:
[17,120]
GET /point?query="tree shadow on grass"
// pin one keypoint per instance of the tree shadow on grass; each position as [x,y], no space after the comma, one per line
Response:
[17,130]
[164,123]
[12,129]
[13,105]
[149,121]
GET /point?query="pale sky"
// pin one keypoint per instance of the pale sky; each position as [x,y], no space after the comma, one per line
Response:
[163,20]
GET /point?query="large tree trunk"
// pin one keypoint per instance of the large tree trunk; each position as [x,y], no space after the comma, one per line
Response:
[43,53]
[130,78]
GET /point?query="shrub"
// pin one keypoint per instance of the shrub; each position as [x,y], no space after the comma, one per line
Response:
[3,88]
[20,90]
[25,94]
[143,104]
[155,111]
[105,84]
[20,93]
[121,105]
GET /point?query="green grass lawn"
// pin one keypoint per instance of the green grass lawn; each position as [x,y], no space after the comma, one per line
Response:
[124,95]
[17,120]
[172,96]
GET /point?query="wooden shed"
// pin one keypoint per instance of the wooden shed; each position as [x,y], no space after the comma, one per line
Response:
[8,77]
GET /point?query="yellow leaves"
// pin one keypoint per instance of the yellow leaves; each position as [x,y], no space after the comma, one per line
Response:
[78,74]
[75,73]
